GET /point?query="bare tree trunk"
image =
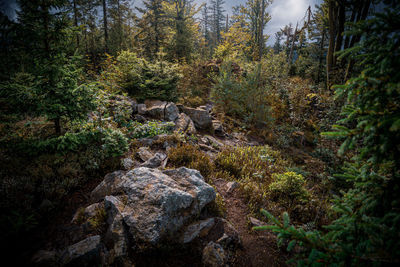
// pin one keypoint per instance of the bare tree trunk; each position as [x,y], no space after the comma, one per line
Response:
[356,38]
[105,25]
[331,48]
[261,37]
[321,53]
[292,47]
[76,22]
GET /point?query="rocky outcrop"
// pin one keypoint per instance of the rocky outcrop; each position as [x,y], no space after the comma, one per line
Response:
[153,204]
[201,117]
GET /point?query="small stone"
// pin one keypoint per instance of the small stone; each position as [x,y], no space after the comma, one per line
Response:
[140,118]
[231,186]
[88,212]
[127,164]
[87,252]
[214,255]
[196,229]
[144,153]
[256,222]
[45,258]
[218,128]
[141,108]
[155,161]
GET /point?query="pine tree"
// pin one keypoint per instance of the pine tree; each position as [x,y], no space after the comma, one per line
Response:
[217,20]
[152,26]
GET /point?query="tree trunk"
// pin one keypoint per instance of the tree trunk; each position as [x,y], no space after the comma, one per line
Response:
[57,126]
[105,25]
[321,47]
[261,37]
[340,30]
[356,38]
[292,47]
[76,22]
[331,48]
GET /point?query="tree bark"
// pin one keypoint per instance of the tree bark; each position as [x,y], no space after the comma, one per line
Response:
[261,37]
[76,22]
[105,25]
[331,48]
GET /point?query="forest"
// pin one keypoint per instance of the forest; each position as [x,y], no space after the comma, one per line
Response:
[183,133]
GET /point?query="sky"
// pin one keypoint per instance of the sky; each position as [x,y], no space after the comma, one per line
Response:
[282,12]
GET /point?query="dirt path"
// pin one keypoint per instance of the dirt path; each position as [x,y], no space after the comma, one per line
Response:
[259,248]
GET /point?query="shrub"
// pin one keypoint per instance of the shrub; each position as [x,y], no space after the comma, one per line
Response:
[192,157]
[256,162]
[242,97]
[142,79]
[149,129]
[288,188]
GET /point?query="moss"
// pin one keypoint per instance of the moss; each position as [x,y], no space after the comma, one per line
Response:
[98,221]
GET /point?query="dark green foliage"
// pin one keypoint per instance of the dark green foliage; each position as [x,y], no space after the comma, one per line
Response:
[365,232]
[242,97]
[146,80]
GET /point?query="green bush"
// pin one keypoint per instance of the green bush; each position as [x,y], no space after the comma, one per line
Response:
[191,157]
[143,79]
[149,129]
[243,97]
[288,188]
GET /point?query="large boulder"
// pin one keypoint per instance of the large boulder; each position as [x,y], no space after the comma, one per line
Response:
[154,205]
[201,117]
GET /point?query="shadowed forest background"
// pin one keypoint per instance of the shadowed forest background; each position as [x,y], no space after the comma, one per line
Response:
[291,142]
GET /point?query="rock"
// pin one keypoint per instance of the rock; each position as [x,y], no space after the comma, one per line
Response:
[127,163]
[116,236]
[196,229]
[83,214]
[207,148]
[163,111]
[139,118]
[45,258]
[185,124]
[87,252]
[214,255]
[156,110]
[230,238]
[144,153]
[211,141]
[171,112]
[201,118]
[155,161]
[154,205]
[256,222]
[141,109]
[231,186]
[218,128]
